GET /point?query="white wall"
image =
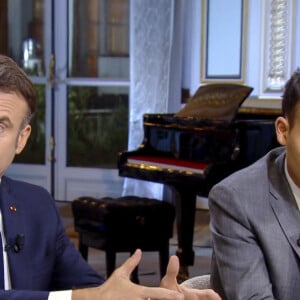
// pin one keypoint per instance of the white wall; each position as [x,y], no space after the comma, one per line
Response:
[253,60]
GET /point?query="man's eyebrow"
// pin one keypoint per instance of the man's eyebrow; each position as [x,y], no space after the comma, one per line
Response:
[5,119]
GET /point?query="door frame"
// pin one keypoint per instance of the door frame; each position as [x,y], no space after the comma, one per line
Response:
[72,182]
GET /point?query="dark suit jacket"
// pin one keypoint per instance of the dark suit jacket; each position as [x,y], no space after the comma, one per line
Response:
[255,224]
[47,260]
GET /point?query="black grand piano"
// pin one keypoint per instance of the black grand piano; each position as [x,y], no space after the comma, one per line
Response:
[192,150]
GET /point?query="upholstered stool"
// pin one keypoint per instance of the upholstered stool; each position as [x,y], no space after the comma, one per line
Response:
[123,225]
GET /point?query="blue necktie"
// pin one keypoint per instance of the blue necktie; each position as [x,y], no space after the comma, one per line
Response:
[1,265]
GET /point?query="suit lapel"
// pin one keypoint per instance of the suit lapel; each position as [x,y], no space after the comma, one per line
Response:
[284,205]
[13,223]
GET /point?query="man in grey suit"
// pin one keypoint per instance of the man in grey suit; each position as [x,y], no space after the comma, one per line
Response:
[255,218]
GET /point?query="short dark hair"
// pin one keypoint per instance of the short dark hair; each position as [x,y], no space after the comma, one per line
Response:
[291,97]
[14,79]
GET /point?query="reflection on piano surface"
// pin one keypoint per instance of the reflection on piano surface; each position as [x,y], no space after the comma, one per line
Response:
[191,154]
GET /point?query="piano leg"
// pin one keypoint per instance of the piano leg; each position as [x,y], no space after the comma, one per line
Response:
[185,218]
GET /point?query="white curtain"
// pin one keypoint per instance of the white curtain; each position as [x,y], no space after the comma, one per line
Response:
[155,72]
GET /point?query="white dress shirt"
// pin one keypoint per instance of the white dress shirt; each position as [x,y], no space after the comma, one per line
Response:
[294,187]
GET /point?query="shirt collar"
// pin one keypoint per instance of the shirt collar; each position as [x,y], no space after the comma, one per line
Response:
[294,187]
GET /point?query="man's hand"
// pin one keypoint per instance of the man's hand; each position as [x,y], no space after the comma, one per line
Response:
[118,286]
[170,282]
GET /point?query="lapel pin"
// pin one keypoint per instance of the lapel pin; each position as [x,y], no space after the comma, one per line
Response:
[13,208]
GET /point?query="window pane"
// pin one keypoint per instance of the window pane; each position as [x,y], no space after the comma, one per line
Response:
[99,38]
[97,126]
[22,33]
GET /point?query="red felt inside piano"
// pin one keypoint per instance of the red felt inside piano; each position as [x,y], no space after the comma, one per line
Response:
[169,163]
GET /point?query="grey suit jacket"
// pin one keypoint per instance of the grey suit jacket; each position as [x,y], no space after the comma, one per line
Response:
[255,224]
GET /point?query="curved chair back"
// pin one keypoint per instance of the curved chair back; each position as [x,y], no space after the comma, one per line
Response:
[198,282]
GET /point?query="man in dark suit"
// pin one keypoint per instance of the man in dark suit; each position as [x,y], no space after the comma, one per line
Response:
[37,260]
[255,218]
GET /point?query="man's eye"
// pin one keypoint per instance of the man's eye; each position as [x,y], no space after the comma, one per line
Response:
[2,128]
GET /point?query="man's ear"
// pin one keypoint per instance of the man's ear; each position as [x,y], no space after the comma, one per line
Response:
[22,138]
[282,128]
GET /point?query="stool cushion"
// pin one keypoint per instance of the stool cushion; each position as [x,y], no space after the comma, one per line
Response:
[119,222]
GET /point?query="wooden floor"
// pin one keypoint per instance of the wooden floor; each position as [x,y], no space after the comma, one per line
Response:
[149,267]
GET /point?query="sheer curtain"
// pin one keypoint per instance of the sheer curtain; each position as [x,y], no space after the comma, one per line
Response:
[156,68]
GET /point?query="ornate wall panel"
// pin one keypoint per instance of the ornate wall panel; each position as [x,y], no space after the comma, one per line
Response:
[277,44]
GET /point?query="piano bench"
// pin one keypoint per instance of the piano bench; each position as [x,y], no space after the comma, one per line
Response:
[123,225]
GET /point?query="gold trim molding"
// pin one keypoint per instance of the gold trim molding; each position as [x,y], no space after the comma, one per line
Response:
[261,106]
